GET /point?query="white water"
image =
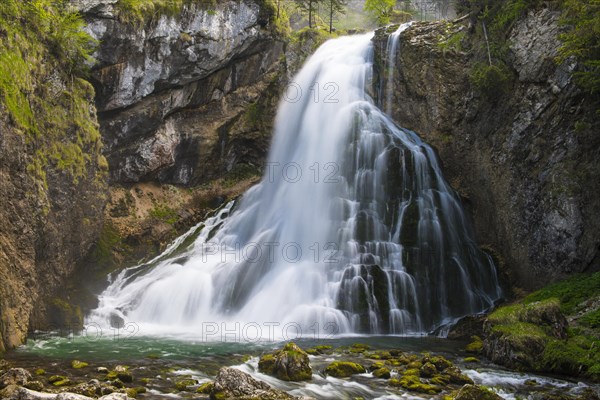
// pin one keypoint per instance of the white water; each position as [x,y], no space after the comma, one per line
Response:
[352,230]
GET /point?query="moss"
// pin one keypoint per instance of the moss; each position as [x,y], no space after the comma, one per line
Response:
[40,371]
[570,292]
[452,43]
[471,360]
[43,53]
[476,345]
[382,373]
[76,364]
[414,384]
[591,319]
[575,356]
[359,348]
[164,213]
[205,388]
[183,384]
[344,369]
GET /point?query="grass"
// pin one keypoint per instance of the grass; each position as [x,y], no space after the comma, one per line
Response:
[570,292]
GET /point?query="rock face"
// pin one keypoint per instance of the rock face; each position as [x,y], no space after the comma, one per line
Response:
[182,98]
[289,364]
[525,162]
[45,231]
[234,384]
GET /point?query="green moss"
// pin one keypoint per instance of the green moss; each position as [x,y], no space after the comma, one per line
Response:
[476,345]
[76,364]
[471,360]
[574,356]
[414,384]
[382,373]
[164,213]
[591,319]
[183,384]
[571,292]
[205,388]
[43,54]
[40,371]
[344,369]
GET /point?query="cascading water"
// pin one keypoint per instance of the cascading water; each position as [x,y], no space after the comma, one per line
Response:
[352,229]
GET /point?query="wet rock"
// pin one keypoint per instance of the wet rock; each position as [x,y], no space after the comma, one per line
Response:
[234,384]
[467,327]
[455,376]
[205,388]
[34,385]
[14,376]
[344,369]
[122,373]
[473,392]
[382,373]
[289,364]
[428,370]
[476,345]
[183,385]
[76,364]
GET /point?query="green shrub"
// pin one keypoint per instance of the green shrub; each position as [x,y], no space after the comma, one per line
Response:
[491,80]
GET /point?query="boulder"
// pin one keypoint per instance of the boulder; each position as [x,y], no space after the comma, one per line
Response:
[289,364]
[344,369]
[231,383]
[473,392]
[14,376]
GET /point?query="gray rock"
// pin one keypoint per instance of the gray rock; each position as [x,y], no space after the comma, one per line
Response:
[215,62]
[14,376]
[231,383]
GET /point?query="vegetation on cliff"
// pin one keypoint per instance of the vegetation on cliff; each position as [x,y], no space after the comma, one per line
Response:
[494,20]
[43,56]
[533,334]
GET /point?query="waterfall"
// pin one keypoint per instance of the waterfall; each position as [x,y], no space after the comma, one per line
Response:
[390,65]
[352,229]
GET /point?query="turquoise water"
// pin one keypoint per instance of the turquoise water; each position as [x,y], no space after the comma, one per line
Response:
[164,360]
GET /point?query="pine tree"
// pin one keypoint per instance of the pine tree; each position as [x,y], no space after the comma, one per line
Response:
[309,7]
[335,7]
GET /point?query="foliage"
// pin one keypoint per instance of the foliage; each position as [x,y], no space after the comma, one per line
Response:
[138,12]
[43,52]
[452,43]
[335,7]
[491,80]
[583,40]
[164,213]
[380,10]
[309,8]
[571,292]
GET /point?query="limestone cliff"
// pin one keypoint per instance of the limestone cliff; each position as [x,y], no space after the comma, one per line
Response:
[524,158]
[179,95]
[52,174]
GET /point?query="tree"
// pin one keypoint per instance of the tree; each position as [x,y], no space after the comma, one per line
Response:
[381,10]
[335,7]
[308,7]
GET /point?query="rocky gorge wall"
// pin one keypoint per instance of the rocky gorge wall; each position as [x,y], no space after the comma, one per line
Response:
[525,158]
[177,95]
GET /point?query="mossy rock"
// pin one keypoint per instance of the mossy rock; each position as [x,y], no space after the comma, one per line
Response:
[376,365]
[76,364]
[62,382]
[382,373]
[471,360]
[476,392]
[359,348]
[56,378]
[414,384]
[476,345]
[428,370]
[205,388]
[344,369]
[288,364]
[183,384]
[35,385]
[40,371]
[379,355]
[440,362]
[123,373]
[455,376]
[412,371]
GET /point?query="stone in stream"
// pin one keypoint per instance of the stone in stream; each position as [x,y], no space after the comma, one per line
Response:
[14,376]
[344,369]
[289,364]
[20,393]
[231,383]
[473,392]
